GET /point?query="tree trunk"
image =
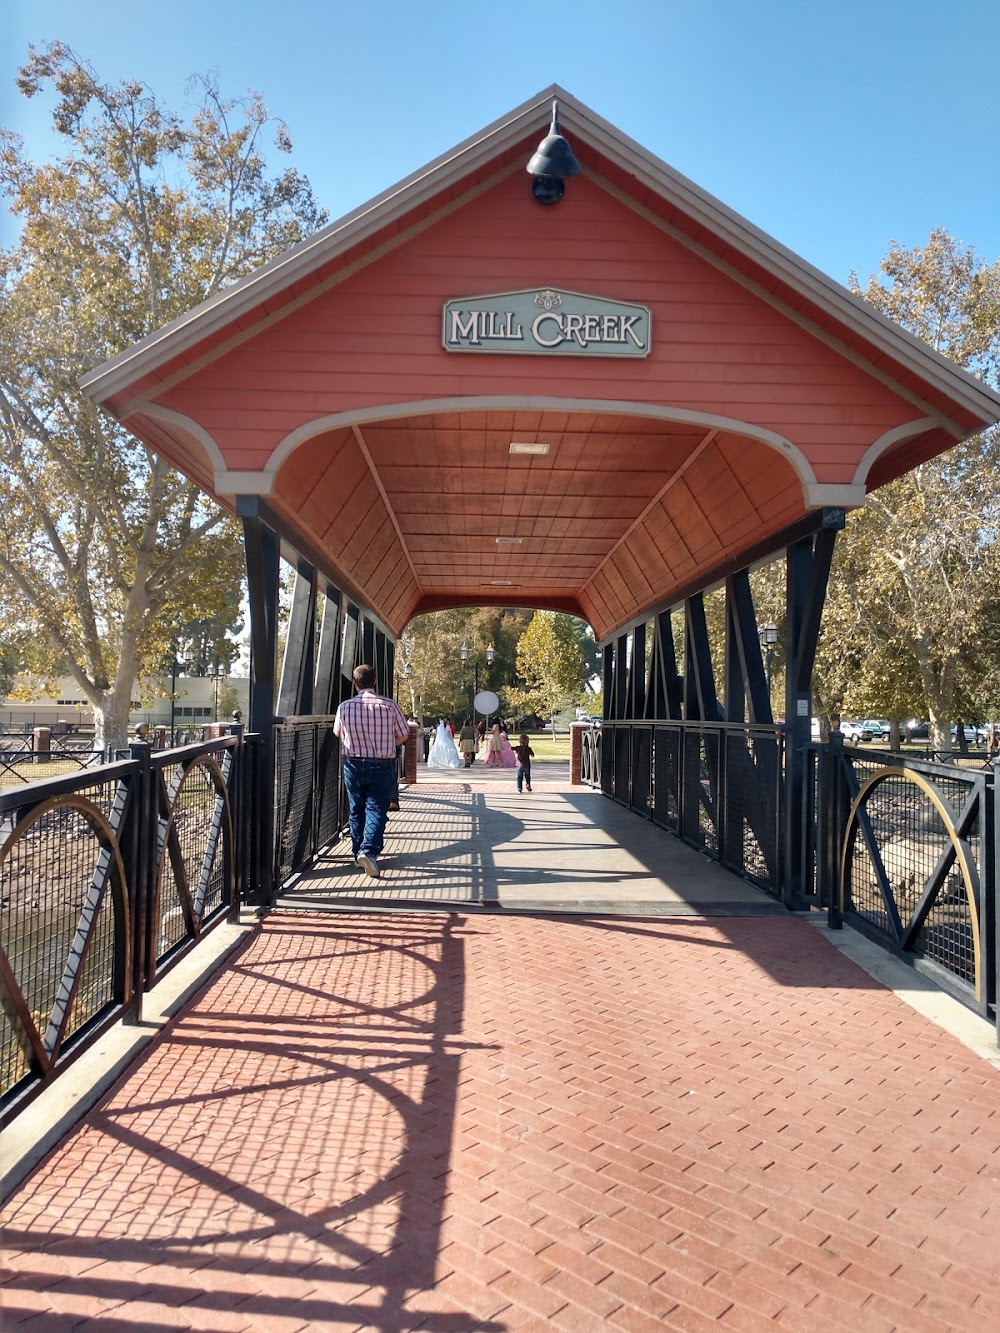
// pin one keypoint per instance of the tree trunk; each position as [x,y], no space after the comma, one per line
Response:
[111,712]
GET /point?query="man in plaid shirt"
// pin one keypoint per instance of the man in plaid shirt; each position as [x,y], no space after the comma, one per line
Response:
[369,727]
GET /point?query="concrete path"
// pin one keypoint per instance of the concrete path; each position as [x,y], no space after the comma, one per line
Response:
[486,1119]
[468,837]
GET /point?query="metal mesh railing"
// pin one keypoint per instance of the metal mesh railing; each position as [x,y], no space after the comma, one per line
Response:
[195,870]
[21,763]
[590,757]
[308,805]
[916,862]
[718,786]
[103,876]
[329,790]
[64,916]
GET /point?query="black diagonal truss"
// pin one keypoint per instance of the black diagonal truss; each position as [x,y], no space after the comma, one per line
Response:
[696,747]
[330,631]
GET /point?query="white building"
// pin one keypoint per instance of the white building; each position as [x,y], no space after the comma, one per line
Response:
[196,701]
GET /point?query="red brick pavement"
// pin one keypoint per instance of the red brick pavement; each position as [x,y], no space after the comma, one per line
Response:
[443,1122]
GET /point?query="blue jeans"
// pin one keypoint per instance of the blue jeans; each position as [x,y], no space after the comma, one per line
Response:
[524,775]
[370,784]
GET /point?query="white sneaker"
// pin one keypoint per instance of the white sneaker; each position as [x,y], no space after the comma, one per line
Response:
[369,865]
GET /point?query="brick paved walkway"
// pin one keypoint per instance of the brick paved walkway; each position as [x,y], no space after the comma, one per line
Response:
[449,1122]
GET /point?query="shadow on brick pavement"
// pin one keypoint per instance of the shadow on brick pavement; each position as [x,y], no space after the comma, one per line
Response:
[454,1121]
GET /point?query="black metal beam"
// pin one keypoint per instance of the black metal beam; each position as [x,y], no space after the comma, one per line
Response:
[758,554]
[700,698]
[620,682]
[328,654]
[812,613]
[743,657]
[637,673]
[806,577]
[295,689]
[262,556]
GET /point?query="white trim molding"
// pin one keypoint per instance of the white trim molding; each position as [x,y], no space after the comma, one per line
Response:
[511,403]
[243,483]
[167,415]
[885,442]
[834,495]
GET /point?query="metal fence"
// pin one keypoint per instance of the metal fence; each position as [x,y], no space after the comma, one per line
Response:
[590,757]
[309,803]
[21,763]
[906,853]
[107,878]
[109,875]
[717,786]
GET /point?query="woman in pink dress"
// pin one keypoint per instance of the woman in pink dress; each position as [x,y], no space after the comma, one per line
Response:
[508,756]
[493,748]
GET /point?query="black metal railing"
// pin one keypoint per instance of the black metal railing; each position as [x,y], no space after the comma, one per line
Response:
[309,804]
[906,853]
[21,762]
[107,878]
[717,786]
[590,756]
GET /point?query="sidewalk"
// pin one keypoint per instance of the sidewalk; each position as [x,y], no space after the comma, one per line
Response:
[479,1118]
[467,837]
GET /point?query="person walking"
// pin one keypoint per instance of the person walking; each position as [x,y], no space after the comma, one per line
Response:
[494,747]
[369,728]
[524,754]
[507,756]
[467,742]
[443,752]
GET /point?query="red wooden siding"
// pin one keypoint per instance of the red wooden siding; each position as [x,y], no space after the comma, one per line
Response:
[375,338]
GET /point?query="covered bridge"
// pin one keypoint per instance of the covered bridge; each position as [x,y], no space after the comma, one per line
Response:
[473,391]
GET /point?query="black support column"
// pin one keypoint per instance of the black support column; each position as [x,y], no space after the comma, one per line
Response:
[262,557]
[298,670]
[807,574]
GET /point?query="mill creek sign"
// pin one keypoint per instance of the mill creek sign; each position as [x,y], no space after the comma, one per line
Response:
[546,322]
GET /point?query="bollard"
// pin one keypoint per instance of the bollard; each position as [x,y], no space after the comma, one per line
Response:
[41,744]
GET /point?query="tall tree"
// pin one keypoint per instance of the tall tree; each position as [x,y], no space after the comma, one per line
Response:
[105,551]
[913,593]
[551,663]
[439,683]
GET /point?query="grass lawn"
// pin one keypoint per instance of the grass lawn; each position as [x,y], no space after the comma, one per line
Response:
[17,775]
[547,750]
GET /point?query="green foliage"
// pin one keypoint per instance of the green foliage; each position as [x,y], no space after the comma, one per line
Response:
[229,701]
[911,623]
[440,684]
[11,663]
[106,553]
[550,662]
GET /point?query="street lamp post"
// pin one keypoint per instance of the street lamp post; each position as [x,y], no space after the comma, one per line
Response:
[463,654]
[768,635]
[175,666]
[217,674]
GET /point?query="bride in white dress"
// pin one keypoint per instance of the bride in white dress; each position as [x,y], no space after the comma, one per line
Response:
[444,752]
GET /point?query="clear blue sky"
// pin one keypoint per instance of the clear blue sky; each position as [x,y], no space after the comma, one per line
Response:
[836,127]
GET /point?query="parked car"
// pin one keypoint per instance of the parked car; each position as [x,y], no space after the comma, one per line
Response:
[874,729]
[973,735]
[852,731]
[917,730]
